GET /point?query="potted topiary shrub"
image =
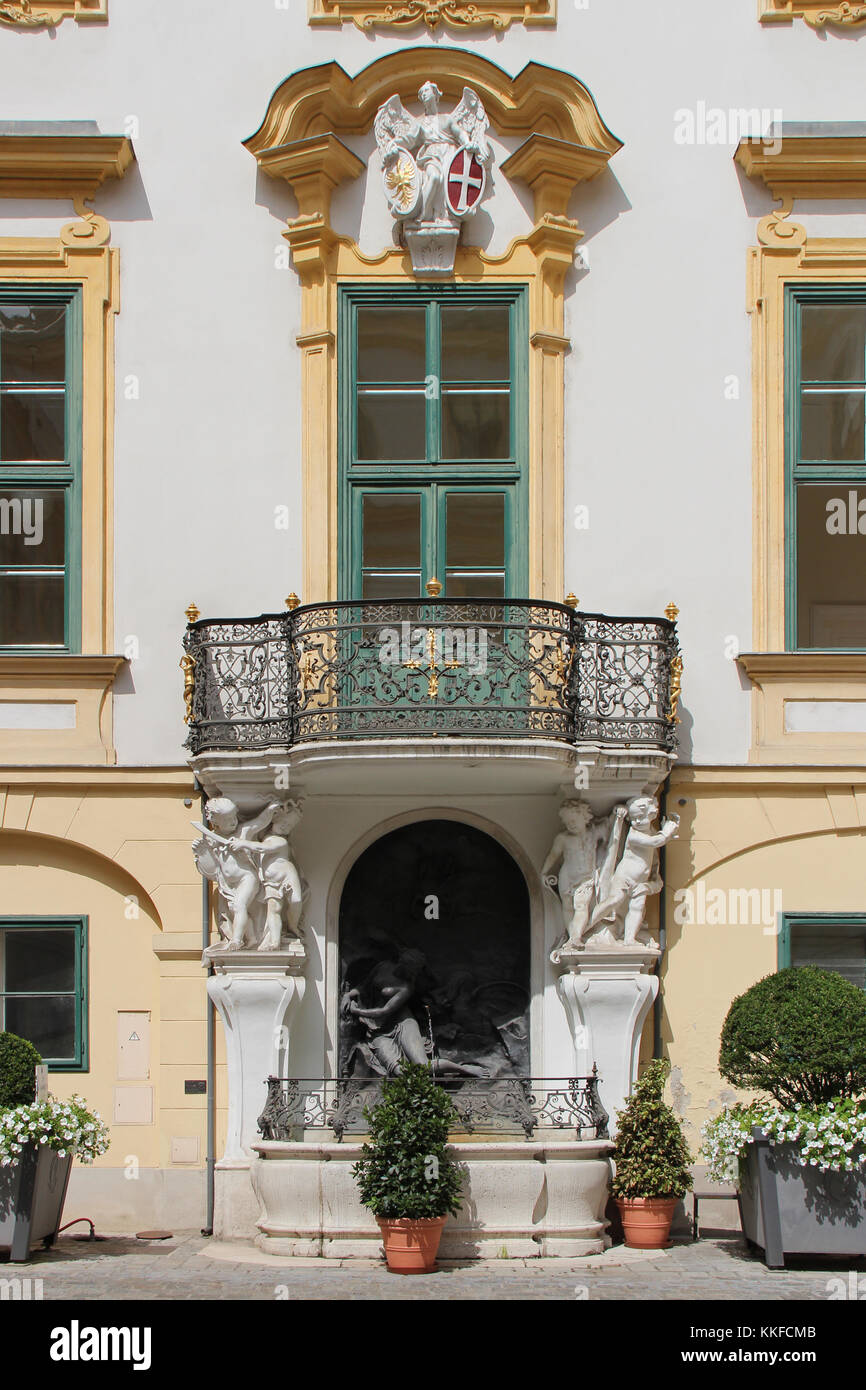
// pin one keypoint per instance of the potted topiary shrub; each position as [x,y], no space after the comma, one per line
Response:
[652,1162]
[38,1139]
[405,1175]
[798,1158]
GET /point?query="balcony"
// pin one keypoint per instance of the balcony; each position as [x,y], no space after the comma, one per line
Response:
[507,669]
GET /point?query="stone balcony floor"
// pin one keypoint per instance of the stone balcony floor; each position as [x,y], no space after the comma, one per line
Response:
[189,1266]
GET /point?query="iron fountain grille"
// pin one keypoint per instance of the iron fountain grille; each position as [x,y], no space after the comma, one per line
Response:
[502,1105]
[512,668]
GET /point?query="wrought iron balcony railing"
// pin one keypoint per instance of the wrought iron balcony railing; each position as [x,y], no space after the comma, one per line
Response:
[505,668]
[502,1106]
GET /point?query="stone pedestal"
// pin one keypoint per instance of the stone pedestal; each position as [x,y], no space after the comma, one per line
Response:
[254,993]
[607,995]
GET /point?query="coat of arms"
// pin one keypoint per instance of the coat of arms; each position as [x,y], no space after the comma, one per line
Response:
[434,169]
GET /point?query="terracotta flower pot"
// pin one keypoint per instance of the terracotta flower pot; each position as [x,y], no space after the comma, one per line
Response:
[646,1221]
[410,1245]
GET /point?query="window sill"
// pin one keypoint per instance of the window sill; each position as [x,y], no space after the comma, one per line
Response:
[808,707]
[56,708]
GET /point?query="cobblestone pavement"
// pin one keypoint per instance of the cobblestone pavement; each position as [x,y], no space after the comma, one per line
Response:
[191,1267]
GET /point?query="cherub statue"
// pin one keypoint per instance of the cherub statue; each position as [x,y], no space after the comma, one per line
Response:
[625,883]
[429,191]
[255,878]
[574,853]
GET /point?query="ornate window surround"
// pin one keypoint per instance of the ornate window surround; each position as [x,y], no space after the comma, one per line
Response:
[565,142]
[45,14]
[814,166]
[818,14]
[65,166]
[459,15]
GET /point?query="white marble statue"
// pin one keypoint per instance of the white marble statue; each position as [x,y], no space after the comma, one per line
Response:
[434,169]
[630,875]
[571,869]
[260,888]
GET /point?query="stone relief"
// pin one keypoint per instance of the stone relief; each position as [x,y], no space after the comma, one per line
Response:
[604,895]
[434,170]
[260,888]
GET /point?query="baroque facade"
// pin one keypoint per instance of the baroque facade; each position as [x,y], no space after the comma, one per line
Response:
[430,602]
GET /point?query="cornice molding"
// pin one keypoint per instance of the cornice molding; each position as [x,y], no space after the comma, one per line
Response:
[459,15]
[324,98]
[60,166]
[46,14]
[776,666]
[818,14]
[313,168]
[808,166]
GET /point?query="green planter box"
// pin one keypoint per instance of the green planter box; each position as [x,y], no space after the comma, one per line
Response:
[32,1193]
[789,1209]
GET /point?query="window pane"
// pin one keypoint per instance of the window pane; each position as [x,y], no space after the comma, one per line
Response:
[392,425]
[465,584]
[32,526]
[475,529]
[39,960]
[32,426]
[392,345]
[391,585]
[844,952]
[48,1023]
[392,530]
[475,424]
[831,567]
[32,610]
[475,345]
[833,342]
[831,425]
[32,342]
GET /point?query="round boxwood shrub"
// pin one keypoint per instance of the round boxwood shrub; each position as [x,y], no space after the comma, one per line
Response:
[800,1035]
[405,1169]
[651,1155]
[18,1062]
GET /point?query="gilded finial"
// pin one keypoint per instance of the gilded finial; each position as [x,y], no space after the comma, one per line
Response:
[293,602]
[672,612]
[192,614]
[571,600]
[433,587]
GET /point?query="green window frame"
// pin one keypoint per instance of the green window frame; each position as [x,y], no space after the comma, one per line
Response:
[806,397]
[433,475]
[18,477]
[837,926]
[77,927]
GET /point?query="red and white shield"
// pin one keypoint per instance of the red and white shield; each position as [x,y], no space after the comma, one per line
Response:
[465,183]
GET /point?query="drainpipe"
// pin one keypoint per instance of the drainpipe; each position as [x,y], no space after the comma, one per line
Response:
[663,933]
[207,1229]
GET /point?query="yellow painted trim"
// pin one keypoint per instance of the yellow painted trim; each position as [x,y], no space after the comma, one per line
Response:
[79,257]
[808,166]
[45,14]
[60,166]
[461,15]
[565,142]
[785,256]
[818,14]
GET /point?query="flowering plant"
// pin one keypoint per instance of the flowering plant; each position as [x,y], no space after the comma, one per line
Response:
[830,1136]
[66,1126]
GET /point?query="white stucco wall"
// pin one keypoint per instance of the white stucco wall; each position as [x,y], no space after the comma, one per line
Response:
[658,322]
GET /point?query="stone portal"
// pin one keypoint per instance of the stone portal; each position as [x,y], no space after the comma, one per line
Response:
[435,923]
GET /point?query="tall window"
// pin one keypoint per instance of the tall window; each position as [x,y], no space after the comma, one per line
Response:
[826,468]
[40,454]
[433,442]
[43,980]
[830,943]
